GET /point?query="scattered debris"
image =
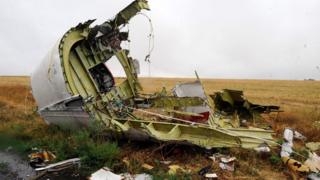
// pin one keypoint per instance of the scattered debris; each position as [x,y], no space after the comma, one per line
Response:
[40,158]
[106,174]
[225,162]
[297,168]
[313,146]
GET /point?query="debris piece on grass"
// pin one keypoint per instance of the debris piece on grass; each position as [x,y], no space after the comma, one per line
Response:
[286,147]
[60,165]
[227,166]
[142,176]
[262,149]
[288,135]
[106,174]
[313,146]
[147,166]
[173,169]
[211,176]
[40,158]
[166,162]
[226,162]
[294,165]
[313,162]
[228,159]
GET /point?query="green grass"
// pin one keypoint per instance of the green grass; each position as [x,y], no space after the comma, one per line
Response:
[93,154]
[17,145]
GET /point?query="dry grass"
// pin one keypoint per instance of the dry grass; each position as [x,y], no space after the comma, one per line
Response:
[299,99]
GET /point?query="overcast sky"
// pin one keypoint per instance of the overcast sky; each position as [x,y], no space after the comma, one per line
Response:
[251,39]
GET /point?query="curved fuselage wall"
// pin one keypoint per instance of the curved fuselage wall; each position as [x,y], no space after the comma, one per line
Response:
[50,92]
[47,81]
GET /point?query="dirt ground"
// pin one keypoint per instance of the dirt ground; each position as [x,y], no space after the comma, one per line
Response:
[300,101]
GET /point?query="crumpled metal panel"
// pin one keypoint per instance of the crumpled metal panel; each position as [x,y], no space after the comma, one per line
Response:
[191,89]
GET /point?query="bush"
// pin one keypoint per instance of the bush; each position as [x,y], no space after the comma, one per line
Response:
[94,155]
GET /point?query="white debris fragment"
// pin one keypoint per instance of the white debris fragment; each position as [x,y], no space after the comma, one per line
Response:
[286,147]
[226,162]
[227,159]
[166,162]
[298,135]
[263,148]
[313,162]
[106,174]
[211,175]
[225,166]
[61,165]
[142,177]
[288,135]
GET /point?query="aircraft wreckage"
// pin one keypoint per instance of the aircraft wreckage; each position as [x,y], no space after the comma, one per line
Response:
[73,87]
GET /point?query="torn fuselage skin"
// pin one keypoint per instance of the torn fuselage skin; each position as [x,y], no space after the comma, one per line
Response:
[90,88]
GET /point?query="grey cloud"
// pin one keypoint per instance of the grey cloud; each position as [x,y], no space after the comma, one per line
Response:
[221,39]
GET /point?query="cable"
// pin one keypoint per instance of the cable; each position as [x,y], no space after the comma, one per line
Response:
[151,43]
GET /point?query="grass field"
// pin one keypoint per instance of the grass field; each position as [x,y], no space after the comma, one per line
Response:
[300,101]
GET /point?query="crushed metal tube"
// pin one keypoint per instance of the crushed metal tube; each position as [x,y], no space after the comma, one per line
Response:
[74,88]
